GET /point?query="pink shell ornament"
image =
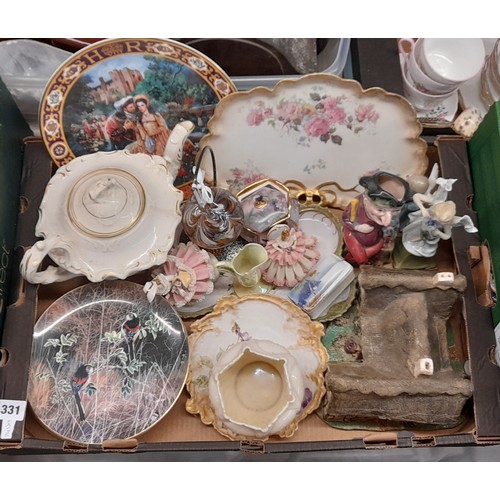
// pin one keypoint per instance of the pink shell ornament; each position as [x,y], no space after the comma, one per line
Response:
[187,276]
[292,256]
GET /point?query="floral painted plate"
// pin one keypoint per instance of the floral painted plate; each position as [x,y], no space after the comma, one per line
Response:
[82,107]
[258,317]
[325,226]
[106,363]
[315,129]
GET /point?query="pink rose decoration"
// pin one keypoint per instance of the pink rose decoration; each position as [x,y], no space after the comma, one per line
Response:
[333,111]
[317,127]
[255,117]
[290,112]
[366,113]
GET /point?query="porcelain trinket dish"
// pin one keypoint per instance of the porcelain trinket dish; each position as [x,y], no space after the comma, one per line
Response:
[256,388]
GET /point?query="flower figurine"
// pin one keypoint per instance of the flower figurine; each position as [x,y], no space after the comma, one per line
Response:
[292,256]
[187,276]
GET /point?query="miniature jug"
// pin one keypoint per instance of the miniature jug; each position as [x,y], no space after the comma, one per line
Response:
[246,267]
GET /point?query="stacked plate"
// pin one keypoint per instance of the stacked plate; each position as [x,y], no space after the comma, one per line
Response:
[490,77]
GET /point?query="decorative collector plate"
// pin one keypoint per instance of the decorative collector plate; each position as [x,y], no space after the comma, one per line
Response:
[85,95]
[106,363]
[258,317]
[315,129]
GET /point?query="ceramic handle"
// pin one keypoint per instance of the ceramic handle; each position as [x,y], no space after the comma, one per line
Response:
[401,46]
[32,260]
[225,267]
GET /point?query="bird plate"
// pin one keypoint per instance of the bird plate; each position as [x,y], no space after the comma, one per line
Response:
[106,363]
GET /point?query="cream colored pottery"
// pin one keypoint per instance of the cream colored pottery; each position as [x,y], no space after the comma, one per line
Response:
[236,320]
[315,129]
[256,388]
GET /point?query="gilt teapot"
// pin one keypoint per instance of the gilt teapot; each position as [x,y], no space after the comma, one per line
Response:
[108,215]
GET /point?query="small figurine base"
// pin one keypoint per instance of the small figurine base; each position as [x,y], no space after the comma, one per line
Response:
[402,259]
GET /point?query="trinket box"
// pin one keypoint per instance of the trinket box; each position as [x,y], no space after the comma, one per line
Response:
[265,204]
[318,292]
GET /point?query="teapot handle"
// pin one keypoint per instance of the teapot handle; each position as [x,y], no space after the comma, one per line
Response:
[32,260]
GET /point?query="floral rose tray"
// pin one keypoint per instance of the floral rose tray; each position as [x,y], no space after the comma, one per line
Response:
[315,129]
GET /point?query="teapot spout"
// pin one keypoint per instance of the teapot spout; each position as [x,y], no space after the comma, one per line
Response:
[175,145]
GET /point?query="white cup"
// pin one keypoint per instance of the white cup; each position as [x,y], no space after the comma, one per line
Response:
[451,60]
[416,75]
[420,100]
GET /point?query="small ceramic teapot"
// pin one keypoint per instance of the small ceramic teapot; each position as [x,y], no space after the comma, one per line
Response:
[108,215]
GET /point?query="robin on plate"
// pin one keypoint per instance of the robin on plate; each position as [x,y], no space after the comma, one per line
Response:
[130,328]
[78,381]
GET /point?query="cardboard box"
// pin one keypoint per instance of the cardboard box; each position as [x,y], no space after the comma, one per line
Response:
[13,129]
[180,431]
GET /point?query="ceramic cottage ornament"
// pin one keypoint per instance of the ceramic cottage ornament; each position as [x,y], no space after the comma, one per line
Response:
[292,256]
[212,217]
[187,276]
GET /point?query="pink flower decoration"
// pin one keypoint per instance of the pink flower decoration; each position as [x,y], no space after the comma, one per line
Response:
[188,275]
[288,111]
[366,113]
[292,256]
[255,117]
[317,127]
[333,111]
